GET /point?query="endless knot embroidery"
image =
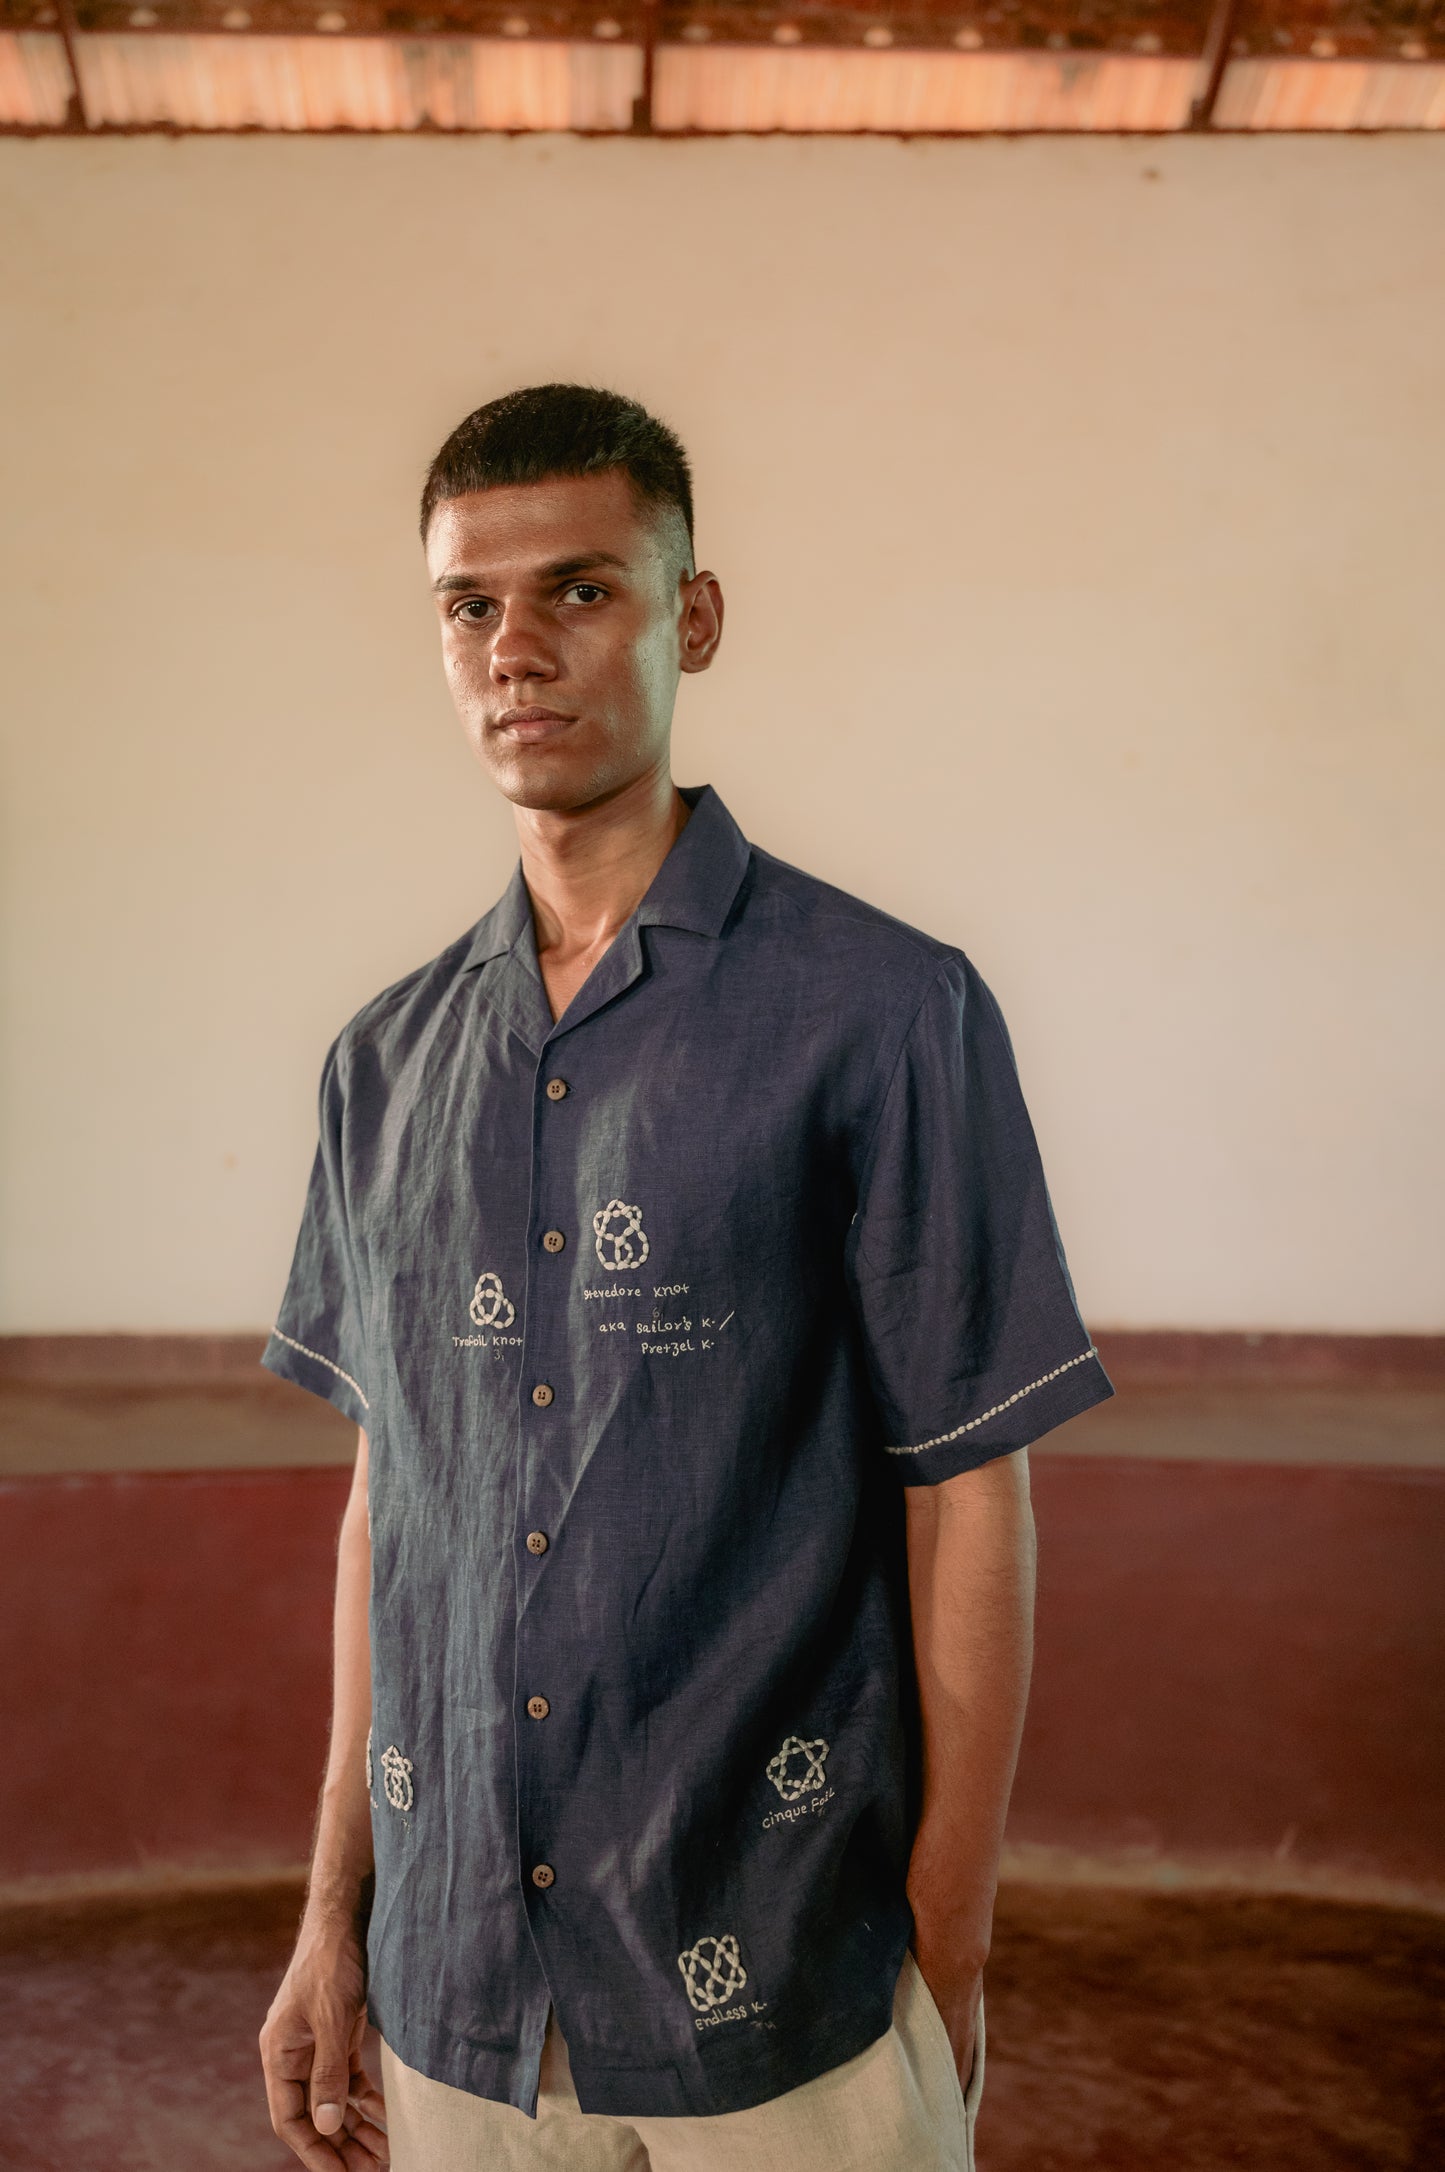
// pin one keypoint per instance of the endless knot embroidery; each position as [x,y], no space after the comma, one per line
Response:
[712,1971]
[396,1775]
[798,1767]
[621,1238]
[490,1305]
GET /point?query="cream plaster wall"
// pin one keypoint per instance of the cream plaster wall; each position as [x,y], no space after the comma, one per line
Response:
[1079,506]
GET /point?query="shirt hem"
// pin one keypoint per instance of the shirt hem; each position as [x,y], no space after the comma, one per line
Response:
[764,2066]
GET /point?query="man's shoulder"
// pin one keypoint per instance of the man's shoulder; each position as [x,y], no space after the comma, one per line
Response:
[399,1012]
[821,921]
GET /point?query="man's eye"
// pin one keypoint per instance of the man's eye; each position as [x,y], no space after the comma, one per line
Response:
[586,591]
[472,610]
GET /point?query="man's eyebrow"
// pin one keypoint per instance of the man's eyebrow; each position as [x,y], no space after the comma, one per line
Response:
[448,584]
[561,567]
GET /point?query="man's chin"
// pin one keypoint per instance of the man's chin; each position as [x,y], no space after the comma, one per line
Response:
[549,786]
[554,780]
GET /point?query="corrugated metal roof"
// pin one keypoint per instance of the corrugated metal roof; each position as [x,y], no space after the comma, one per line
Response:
[1281,94]
[361,83]
[206,80]
[758,87]
[34,80]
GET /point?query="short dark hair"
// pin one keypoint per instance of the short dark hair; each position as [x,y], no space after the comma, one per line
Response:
[544,430]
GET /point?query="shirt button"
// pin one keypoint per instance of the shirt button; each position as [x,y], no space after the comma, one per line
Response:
[536,1542]
[556,1089]
[537,1708]
[543,1874]
[553,1240]
[541,1395]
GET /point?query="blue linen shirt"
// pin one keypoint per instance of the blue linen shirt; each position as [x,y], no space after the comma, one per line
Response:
[649,1315]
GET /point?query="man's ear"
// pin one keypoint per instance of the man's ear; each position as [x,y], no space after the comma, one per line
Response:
[701,620]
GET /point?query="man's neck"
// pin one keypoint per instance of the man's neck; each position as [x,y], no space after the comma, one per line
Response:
[587,873]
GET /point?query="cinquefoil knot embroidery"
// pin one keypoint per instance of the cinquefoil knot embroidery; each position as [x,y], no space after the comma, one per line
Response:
[621,1238]
[396,1777]
[490,1305]
[798,1767]
[712,1971]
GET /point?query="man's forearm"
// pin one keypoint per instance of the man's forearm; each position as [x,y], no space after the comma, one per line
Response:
[342,1861]
[971,1584]
[324,2104]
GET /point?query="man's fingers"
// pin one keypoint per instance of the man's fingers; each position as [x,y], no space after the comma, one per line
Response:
[366,2118]
[365,2151]
[371,2138]
[289,2118]
[300,2136]
[300,2081]
[330,2082]
[367,2098]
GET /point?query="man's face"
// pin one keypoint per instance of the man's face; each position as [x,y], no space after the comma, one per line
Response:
[565,620]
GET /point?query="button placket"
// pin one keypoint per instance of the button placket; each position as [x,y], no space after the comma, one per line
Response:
[543,1395]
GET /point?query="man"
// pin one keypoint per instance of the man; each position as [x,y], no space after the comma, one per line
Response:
[678,1242]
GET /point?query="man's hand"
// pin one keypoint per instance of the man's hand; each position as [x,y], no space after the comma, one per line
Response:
[324,2104]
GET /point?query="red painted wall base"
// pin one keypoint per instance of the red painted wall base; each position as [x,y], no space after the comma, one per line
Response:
[1231,1659]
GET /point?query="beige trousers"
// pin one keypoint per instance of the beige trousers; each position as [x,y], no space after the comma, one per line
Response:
[897,2107]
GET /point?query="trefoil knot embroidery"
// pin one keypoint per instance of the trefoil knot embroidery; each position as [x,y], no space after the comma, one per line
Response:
[490,1305]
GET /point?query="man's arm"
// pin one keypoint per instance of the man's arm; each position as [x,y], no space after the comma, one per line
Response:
[971,1586]
[311,2042]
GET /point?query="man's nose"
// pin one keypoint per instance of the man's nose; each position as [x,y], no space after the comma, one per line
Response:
[522,649]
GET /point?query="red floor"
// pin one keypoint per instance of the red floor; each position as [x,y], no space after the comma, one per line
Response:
[1127,2032]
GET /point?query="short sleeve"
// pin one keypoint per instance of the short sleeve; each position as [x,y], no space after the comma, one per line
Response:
[974,1343]
[317,1340]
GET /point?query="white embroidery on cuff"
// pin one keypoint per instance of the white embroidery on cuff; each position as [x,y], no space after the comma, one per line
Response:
[941,1440]
[293,1344]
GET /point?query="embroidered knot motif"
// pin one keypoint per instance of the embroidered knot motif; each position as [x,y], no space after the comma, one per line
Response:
[396,1777]
[490,1305]
[621,1238]
[798,1767]
[368,1760]
[712,1971]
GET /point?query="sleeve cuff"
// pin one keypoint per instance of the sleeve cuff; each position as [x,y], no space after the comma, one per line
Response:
[319,1375]
[1032,1409]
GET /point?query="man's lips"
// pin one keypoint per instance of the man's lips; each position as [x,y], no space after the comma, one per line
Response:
[532,724]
